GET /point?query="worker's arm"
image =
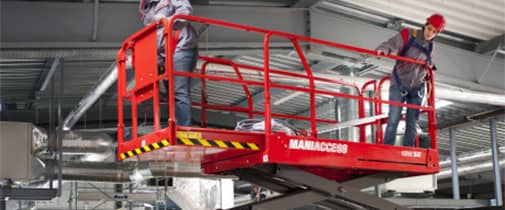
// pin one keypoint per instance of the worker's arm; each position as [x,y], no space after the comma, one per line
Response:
[168,8]
[181,7]
[432,64]
[393,45]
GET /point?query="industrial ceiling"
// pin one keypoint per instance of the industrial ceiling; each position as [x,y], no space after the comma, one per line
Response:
[81,38]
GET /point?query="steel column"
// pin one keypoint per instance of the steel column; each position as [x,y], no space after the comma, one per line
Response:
[95,20]
[52,141]
[496,165]
[454,166]
[59,139]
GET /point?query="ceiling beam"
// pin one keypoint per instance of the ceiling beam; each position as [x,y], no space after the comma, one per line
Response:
[73,21]
[488,47]
[305,3]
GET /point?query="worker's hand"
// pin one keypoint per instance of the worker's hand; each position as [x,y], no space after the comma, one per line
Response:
[379,52]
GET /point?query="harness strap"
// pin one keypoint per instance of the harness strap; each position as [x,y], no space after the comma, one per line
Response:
[411,37]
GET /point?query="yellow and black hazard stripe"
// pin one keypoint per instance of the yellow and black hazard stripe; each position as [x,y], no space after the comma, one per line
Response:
[191,140]
[144,149]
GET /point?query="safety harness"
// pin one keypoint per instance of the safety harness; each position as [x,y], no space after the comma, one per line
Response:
[410,40]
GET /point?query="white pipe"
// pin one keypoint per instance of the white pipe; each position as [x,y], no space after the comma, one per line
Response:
[55,64]
[471,163]
[441,92]
[472,168]
[471,96]
[467,158]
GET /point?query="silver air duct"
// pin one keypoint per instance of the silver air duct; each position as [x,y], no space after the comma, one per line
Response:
[88,146]
[467,158]
[470,168]
[442,91]
[103,84]
[106,81]
[128,171]
[473,163]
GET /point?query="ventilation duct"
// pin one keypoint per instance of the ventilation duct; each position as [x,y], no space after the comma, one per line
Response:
[470,168]
[129,171]
[103,84]
[88,146]
[477,156]
[442,91]
[472,163]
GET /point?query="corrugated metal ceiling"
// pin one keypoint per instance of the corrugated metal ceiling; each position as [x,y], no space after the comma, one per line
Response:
[478,19]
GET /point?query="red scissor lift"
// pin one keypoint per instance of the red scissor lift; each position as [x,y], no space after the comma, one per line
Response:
[305,169]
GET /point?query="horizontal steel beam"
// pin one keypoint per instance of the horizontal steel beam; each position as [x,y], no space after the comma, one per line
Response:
[27,194]
[73,21]
[441,203]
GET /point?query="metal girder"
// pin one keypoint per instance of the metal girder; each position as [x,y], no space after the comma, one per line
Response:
[305,3]
[108,196]
[441,203]
[487,47]
[459,66]
[27,194]
[222,120]
[75,51]
[77,17]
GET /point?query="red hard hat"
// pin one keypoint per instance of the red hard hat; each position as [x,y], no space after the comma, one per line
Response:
[437,21]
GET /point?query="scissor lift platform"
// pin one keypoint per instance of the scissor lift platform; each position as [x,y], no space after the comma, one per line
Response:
[222,150]
[305,167]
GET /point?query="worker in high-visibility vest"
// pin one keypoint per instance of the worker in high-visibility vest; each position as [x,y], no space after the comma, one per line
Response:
[186,50]
[408,79]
